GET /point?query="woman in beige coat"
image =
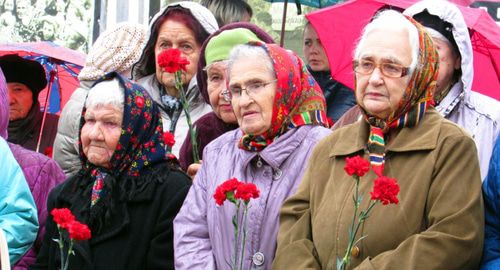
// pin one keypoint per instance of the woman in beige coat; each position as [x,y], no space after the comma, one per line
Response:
[438,223]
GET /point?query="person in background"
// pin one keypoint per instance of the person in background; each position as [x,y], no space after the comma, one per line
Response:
[455,100]
[18,219]
[41,173]
[116,49]
[212,81]
[491,195]
[25,79]
[339,98]
[229,11]
[185,26]
[125,192]
[281,113]
[439,220]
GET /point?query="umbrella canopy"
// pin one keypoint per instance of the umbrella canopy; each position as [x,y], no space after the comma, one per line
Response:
[61,65]
[311,3]
[339,33]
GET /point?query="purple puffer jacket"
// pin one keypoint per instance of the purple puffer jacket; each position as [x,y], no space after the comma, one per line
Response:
[203,232]
[42,174]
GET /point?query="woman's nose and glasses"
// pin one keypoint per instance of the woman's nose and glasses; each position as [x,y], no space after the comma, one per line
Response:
[392,70]
[235,92]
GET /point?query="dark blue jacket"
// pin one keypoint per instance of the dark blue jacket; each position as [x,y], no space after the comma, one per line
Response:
[491,194]
[339,98]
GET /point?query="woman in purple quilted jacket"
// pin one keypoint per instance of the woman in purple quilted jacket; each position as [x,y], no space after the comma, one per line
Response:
[41,173]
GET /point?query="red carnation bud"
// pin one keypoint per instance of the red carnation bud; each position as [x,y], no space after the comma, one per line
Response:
[356,166]
[62,217]
[171,60]
[385,190]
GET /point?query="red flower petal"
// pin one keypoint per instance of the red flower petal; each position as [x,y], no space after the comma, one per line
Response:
[79,231]
[171,60]
[356,166]
[385,190]
[62,217]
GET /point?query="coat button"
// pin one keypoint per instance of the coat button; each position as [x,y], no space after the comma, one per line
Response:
[258,258]
[277,174]
[355,252]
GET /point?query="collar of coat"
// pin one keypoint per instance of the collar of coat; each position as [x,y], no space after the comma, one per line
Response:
[276,153]
[353,138]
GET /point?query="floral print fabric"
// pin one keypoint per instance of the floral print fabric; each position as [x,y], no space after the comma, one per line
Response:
[299,100]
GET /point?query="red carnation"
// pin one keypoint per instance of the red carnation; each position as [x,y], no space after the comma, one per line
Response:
[62,217]
[171,61]
[139,101]
[220,196]
[79,231]
[356,166]
[168,138]
[386,190]
[230,185]
[246,192]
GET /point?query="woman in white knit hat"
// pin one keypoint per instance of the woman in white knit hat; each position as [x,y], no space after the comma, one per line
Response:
[183,25]
[116,49]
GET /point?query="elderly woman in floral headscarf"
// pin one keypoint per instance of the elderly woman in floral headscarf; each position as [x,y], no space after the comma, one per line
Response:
[125,190]
[184,25]
[438,222]
[280,110]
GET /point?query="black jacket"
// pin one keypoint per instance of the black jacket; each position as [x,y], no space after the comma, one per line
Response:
[140,231]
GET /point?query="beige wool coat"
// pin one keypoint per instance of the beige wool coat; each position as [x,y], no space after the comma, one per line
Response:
[438,223]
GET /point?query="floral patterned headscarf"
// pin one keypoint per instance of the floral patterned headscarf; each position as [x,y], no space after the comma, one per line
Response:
[140,143]
[417,97]
[298,101]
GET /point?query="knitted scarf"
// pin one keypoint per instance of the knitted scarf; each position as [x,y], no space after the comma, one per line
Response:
[417,97]
[298,101]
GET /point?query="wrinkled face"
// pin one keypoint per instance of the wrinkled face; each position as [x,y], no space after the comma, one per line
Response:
[313,50]
[174,34]
[449,61]
[216,84]
[20,101]
[254,113]
[378,94]
[100,133]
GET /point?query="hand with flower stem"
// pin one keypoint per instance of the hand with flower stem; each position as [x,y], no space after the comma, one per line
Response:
[385,190]
[238,193]
[65,220]
[171,61]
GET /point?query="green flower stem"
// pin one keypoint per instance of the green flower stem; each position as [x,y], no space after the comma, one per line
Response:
[245,211]
[352,235]
[185,106]
[70,250]
[236,233]
[61,246]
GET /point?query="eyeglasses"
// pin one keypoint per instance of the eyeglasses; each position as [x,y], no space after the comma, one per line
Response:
[234,92]
[366,67]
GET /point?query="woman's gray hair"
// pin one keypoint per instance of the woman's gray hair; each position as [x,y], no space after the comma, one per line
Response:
[252,52]
[228,11]
[106,93]
[390,19]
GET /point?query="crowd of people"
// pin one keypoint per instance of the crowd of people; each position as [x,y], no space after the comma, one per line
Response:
[265,117]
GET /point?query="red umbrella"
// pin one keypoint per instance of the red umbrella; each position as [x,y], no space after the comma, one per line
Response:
[339,28]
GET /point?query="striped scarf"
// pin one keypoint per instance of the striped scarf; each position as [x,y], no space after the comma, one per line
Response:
[417,98]
[299,100]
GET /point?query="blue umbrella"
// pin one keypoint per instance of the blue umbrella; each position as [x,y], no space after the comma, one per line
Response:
[299,3]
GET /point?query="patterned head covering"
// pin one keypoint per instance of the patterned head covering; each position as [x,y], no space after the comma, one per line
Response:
[298,101]
[141,142]
[417,97]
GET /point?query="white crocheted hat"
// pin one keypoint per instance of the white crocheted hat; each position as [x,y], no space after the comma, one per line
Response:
[116,49]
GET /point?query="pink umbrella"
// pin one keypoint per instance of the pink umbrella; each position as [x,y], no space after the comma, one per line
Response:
[61,64]
[339,28]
